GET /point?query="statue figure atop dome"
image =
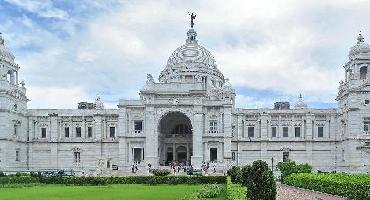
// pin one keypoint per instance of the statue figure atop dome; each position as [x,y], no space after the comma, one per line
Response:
[192,17]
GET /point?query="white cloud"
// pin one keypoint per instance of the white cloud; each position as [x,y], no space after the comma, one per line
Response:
[286,47]
[43,8]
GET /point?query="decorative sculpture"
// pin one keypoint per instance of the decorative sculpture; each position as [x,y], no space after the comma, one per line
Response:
[192,17]
[149,79]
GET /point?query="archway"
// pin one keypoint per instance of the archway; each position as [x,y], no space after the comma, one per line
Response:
[175,138]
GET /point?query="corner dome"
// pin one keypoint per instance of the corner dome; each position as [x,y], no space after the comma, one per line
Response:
[190,60]
[360,47]
[5,53]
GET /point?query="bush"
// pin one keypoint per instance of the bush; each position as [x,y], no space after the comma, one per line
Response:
[173,180]
[210,191]
[235,174]
[17,180]
[235,191]
[260,181]
[2,174]
[161,172]
[290,167]
[354,186]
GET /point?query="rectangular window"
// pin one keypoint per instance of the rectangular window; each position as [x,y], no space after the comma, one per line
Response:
[66,132]
[285,156]
[285,132]
[273,131]
[213,126]
[78,131]
[112,131]
[76,157]
[367,102]
[213,154]
[17,155]
[89,131]
[43,132]
[138,154]
[233,156]
[320,131]
[297,131]
[138,126]
[251,131]
[15,129]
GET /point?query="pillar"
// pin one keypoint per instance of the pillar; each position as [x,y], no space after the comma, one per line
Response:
[151,139]
[197,157]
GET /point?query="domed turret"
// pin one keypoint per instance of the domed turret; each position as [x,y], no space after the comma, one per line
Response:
[192,62]
[300,103]
[5,53]
[360,47]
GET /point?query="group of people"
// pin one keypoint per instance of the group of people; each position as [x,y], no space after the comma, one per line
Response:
[206,166]
[177,166]
[134,168]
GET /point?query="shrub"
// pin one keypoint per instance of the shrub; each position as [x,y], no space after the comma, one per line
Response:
[17,180]
[161,172]
[259,180]
[354,186]
[210,191]
[2,174]
[173,180]
[235,191]
[235,174]
[290,167]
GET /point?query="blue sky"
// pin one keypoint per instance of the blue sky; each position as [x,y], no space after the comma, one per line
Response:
[72,51]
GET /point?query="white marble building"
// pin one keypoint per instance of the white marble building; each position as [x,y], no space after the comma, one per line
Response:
[187,115]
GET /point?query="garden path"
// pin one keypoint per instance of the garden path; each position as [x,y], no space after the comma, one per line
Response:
[285,192]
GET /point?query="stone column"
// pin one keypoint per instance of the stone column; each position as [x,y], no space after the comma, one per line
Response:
[151,140]
[122,143]
[198,128]
[227,133]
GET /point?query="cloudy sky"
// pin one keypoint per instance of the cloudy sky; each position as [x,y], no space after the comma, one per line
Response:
[70,51]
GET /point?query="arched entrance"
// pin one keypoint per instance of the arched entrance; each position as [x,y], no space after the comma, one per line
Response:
[175,138]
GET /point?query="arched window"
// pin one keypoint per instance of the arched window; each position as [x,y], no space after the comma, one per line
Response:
[363,72]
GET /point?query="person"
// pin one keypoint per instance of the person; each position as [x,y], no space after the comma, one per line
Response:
[132,168]
[214,168]
[136,168]
[149,168]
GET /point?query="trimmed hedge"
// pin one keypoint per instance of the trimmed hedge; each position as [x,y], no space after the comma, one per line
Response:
[7,180]
[354,186]
[134,180]
[235,191]
[161,172]
[290,167]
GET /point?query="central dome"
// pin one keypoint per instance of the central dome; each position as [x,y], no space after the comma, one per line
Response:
[191,61]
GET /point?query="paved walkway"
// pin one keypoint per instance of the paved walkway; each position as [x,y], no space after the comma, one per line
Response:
[285,192]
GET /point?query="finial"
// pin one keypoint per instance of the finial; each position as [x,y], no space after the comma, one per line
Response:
[300,95]
[192,17]
[360,38]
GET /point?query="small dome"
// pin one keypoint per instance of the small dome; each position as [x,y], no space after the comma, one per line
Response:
[191,59]
[300,103]
[5,52]
[360,47]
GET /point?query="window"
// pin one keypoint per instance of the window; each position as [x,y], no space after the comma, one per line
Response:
[363,72]
[112,131]
[138,126]
[17,155]
[108,163]
[273,131]
[89,131]
[366,126]
[76,157]
[78,131]
[66,132]
[320,131]
[297,131]
[251,131]
[213,154]
[285,132]
[233,156]
[367,101]
[138,154]
[285,156]
[15,129]
[213,126]
[43,132]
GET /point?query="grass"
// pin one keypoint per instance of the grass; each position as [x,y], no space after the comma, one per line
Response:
[110,192]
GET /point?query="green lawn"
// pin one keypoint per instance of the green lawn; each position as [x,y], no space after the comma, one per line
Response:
[110,192]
